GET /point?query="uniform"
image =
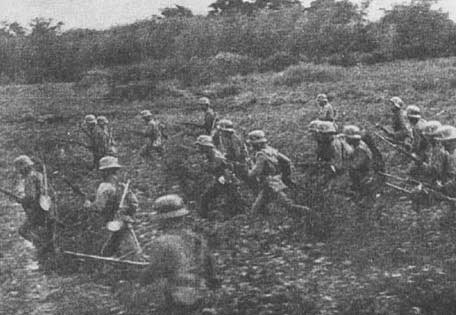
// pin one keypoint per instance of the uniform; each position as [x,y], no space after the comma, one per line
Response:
[402,131]
[335,152]
[210,118]
[154,139]
[98,143]
[419,143]
[327,113]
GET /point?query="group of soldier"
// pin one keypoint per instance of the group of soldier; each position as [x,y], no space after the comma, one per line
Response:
[231,161]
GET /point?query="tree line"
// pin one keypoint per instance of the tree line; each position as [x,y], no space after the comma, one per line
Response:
[236,36]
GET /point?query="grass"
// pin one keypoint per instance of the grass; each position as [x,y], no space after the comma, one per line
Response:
[397,264]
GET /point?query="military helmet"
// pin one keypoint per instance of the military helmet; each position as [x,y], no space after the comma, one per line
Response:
[322,97]
[314,124]
[102,120]
[413,111]
[446,133]
[205,141]
[326,127]
[109,162]
[146,113]
[226,125]
[352,132]
[23,161]
[430,127]
[204,101]
[170,206]
[397,102]
[90,119]
[256,136]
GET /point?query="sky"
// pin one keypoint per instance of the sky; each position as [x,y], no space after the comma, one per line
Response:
[102,14]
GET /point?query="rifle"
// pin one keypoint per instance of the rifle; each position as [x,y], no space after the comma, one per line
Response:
[386,131]
[107,259]
[75,188]
[400,149]
[10,194]
[408,192]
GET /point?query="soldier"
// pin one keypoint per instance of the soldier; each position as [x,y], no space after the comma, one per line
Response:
[334,150]
[430,168]
[36,228]
[313,132]
[359,162]
[179,259]
[446,136]
[113,209]
[103,123]
[267,170]
[327,112]
[225,180]
[97,140]
[210,116]
[418,145]
[152,133]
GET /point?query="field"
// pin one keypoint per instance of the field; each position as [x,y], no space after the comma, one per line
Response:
[388,259]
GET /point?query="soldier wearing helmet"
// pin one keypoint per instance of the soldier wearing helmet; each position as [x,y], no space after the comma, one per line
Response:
[97,139]
[153,134]
[401,127]
[418,145]
[210,116]
[29,189]
[107,204]
[225,182]
[269,169]
[359,162]
[333,150]
[327,112]
[179,258]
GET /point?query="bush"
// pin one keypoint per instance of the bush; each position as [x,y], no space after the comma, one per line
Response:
[277,62]
[295,75]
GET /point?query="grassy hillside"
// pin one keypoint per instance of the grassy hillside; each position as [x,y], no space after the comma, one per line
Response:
[401,262]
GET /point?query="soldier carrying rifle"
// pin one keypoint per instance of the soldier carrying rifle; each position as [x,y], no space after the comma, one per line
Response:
[97,139]
[103,124]
[117,205]
[327,111]
[210,116]
[153,134]
[225,182]
[401,132]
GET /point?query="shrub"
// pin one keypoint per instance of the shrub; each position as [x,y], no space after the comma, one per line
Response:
[295,75]
[277,62]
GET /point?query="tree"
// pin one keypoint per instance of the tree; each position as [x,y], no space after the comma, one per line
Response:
[177,11]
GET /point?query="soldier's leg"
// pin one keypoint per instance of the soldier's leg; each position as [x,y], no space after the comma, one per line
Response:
[289,204]
[24,230]
[261,202]
[234,199]
[207,197]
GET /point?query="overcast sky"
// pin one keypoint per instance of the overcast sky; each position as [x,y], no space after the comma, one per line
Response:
[102,14]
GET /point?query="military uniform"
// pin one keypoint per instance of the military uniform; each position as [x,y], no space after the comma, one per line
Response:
[106,203]
[327,112]
[103,123]
[210,116]
[180,260]
[266,169]
[225,183]
[333,149]
[97,140]
[153,135]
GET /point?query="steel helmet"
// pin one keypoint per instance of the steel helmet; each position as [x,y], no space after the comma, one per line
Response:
[326,127]
[109,162]
[205,141]
[322,97]
[352,132]
[256,136]
[102,120]
[170,206]
[397,102]
[204,101]
[146,113]
[446,133]
[430,127]
[23,161]
[413,111]
[226,125]
[90,119]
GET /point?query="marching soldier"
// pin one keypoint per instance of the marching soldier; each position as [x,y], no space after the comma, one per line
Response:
[103,123]
[327,112]
[97,140]
[334,150]
[225,180]
[359,162]
[418,145]
[179,259]
[210,117]
[117,206]
[267,170]
[152,133]
[36,228]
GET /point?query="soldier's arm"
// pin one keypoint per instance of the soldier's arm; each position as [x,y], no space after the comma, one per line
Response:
[132,205]
[258,167]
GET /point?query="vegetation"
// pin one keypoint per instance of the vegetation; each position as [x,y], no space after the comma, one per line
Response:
[261,35]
